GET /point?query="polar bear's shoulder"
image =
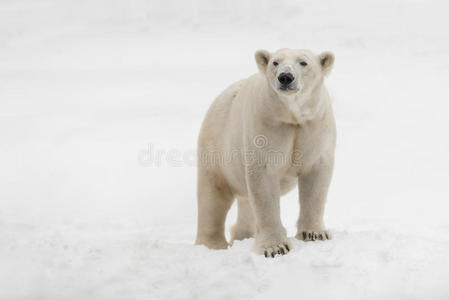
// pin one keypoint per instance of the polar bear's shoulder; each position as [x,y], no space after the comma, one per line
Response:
[222,104]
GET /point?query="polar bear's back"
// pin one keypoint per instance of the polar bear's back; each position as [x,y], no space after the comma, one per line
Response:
[213,130]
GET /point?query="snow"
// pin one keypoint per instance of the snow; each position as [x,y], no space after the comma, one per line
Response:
[100,107]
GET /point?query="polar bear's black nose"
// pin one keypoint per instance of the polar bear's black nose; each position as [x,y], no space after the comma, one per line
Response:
[286,78]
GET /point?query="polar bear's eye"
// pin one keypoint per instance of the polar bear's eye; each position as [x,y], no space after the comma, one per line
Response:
[303,63]
[275,63]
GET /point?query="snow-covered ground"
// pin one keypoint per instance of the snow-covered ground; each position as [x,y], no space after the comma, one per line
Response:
[100,107]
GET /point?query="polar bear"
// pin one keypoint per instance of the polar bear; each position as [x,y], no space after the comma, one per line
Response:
[261,137]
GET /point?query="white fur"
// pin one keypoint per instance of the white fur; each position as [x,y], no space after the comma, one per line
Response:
[249,124]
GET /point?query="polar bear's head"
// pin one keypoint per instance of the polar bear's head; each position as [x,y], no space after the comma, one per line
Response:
[293,72]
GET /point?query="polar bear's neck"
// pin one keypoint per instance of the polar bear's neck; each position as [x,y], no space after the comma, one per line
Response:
[303,108]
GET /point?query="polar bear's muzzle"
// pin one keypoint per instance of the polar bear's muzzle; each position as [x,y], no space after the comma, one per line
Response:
[286,81]
[286,78]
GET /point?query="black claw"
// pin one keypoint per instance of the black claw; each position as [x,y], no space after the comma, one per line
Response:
[286,247]
[282,251]
[310,236]
[327,237]
[266,254]
[321,236]
[272,254]
[279,251]
[304,235]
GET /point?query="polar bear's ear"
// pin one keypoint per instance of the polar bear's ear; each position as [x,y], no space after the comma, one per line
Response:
[326,61]
[262,59]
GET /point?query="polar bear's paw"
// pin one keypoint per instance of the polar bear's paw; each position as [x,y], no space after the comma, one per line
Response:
[280,249]
[310,235]
[273,247]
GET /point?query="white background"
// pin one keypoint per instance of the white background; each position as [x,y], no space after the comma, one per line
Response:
[89,88]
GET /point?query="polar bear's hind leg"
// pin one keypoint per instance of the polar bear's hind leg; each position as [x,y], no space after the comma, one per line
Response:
[214,202]
[245,226]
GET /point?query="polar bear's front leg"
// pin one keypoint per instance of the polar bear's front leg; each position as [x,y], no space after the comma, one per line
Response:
[313,188]
[264,196]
